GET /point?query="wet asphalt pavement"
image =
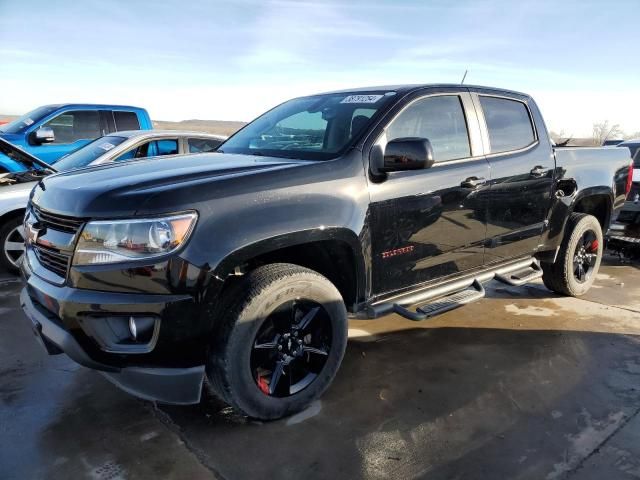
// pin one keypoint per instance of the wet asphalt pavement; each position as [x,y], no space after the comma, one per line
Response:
[523,384]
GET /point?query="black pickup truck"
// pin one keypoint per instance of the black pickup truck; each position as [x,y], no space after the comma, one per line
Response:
[242,267]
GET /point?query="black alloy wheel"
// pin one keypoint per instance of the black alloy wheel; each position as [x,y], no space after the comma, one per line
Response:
[291,348]
[585,256]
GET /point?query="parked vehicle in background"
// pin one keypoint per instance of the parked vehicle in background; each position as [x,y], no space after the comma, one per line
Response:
[624,234]
[52,131]
[612,143]
[118,147]
[245,264]
[634,148]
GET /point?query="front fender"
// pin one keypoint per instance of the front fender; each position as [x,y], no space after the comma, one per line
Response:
[292,239]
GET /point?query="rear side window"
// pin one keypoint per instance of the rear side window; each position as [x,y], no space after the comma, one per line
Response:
[198,145]
[166,147]
[126,121]
[439,119]
[69,127]
[508,122]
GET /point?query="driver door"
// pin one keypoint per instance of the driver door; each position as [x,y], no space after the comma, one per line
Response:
[429,224]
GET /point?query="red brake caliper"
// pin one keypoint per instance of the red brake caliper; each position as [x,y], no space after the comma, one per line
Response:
[263,385]
[594,245]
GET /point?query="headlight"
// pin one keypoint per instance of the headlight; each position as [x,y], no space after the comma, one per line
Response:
[112,241]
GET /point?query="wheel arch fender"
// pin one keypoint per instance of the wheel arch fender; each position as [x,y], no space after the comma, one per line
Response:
[305,243]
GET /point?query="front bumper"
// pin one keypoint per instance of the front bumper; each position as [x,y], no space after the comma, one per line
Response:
[53,311]
[169,385]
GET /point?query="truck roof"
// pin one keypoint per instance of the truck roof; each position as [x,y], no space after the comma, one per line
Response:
[92,105]
[406,88]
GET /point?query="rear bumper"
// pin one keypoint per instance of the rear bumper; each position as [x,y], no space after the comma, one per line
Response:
[168,385]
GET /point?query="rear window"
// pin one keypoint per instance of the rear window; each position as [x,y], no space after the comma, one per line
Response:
[126,121]
[199,145]
[508,123]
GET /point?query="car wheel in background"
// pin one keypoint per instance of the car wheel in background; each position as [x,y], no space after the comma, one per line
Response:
[12,243]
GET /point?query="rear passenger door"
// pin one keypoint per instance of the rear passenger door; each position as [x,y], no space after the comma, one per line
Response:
[427,224]
[522,174]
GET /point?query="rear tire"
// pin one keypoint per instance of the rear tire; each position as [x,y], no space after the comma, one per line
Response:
[579,257]
[279,339]
[11,235]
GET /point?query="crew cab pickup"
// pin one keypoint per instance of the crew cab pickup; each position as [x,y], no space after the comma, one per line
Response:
[243,266]
[52,131]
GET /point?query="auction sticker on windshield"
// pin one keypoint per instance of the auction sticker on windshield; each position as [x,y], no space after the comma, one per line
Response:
[107,146]
[361,99]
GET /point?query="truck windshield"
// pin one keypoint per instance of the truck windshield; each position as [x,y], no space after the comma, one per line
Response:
[90,152]
[19,125]
[319,127]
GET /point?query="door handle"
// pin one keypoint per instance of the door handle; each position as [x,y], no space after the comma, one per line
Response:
[473,182]
[538,171]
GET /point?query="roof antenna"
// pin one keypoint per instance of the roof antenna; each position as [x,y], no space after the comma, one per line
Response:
[464,76]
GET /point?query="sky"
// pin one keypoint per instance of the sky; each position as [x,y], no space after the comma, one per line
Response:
[233,60]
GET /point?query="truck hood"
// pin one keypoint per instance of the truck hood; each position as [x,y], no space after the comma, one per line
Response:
[17,154]
[121,190]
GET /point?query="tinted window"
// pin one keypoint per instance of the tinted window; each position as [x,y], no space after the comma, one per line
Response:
[90,152]
[77,125]
[198,145]
[150,149]
[441,120]
[166,147]
[508,123]
[126,121]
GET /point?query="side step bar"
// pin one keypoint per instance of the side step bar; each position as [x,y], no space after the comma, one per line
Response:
[454,293]
[443,304]
[526,275]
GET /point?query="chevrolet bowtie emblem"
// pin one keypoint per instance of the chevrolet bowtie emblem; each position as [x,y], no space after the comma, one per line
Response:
[32,232]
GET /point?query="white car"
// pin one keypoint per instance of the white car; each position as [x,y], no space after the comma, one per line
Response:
[117,147]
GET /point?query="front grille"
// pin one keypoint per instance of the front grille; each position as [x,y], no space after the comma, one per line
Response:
[56,260]
[53,259]
[57,222]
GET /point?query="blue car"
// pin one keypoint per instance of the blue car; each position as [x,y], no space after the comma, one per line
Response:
[52,131]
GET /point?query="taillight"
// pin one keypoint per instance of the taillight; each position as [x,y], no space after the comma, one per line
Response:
[629,180]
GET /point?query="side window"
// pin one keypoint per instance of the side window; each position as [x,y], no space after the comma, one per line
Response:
[508,123]
[76,125]
[198,145]
[126,120]
[166,147]
[441,120]
[140,151]
[360,119]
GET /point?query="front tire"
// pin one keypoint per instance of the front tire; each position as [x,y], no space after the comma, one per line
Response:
[12,245]
[579,257]
[280,337]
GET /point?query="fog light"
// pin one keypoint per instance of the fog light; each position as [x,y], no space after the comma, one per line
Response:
[141,328]
[122,334]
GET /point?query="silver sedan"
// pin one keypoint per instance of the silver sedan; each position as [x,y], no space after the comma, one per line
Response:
[117,147]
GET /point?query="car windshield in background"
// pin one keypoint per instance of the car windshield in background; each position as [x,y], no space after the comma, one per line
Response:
[87,154]
[309,128]
[26,120]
